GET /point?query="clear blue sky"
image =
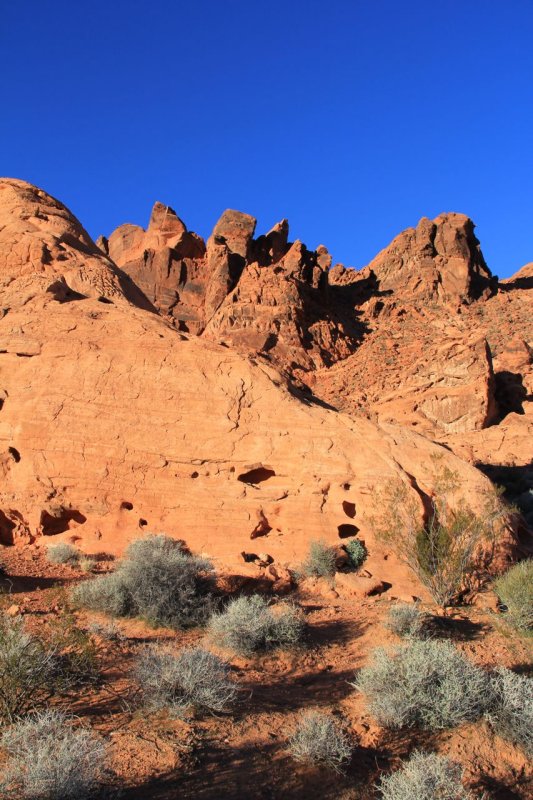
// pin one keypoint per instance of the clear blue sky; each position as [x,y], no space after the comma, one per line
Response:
[352,118]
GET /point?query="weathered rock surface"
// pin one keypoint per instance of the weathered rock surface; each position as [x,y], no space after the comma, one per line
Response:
[115,423]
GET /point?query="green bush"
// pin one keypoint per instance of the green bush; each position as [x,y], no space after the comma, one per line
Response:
[425,776]
[511,712]
[406,620]
[515,591]
[177,681]
[320,739]
[426,684]
[156,580]
[50,759]
[357,553]
[248,624]
[63,553]
[320,562]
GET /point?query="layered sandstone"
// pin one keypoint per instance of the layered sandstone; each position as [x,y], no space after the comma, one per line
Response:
[113,423]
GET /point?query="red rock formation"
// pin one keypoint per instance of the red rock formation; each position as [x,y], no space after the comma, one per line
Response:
[115,423]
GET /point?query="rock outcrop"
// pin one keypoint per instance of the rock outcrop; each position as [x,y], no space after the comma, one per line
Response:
[113,423]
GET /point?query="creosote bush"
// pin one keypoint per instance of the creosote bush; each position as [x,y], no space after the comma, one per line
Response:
[192,678]
[515,591]
[320,739]
[427,684]
[445,550]
[63,553]
[425,776]
[156,580]
[50,759]
[357,553]
[248,624]
[406,620]
[511,711]
[320,562]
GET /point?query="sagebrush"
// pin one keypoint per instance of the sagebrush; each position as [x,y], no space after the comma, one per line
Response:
[248,624]
[511,710]
[425,776]
[193,678]
[157,580]
[406,620]
[63,553]
[320,739]
[320,561]
[49,758]
[428,684]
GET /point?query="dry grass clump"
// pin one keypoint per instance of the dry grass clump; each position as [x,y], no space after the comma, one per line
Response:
[156,580]
[425,776]
[248,624]
[192,678]
[63,553]
[50,759]
[406,620]
[320,739]
[515,590]
[511,711]
[426,684]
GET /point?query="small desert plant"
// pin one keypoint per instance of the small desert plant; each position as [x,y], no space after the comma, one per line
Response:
[27,670]
[446,550]
[320,561]
[515,590]
[320,739]
[50,759]
[63,553]
[425,683]
[87,564]
[156,580]
[357,552]
[176,681]
[511,713]
[109,631]
[406,620]
[425,776]
[248,624]
[76,654]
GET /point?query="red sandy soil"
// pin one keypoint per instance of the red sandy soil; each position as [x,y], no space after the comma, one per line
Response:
[244,754]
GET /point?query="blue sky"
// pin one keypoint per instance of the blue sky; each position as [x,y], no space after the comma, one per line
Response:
[353,119]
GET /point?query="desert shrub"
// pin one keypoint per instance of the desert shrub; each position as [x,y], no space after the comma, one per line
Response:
[63,553]
[109,631]
[248,624]
[425,683]
[320,739]
[406,620]
[192,678]
[156,580]
[357,553]
[50,759]
[87,564]
[27,670]
[76,656]
[511,712]
[515,591]
[425,776]
[320,561]
[445,550]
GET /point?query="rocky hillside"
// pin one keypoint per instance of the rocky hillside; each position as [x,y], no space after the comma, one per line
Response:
[243,388]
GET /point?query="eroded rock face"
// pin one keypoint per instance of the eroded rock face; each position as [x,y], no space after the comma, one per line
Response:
[115,424]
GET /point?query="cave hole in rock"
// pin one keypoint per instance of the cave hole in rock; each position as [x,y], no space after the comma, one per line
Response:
[346,487]
[348,508]
[143,523]
[347,530]
[195,474]
[14,453]
[256,475]
[126,505]
[58,522]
